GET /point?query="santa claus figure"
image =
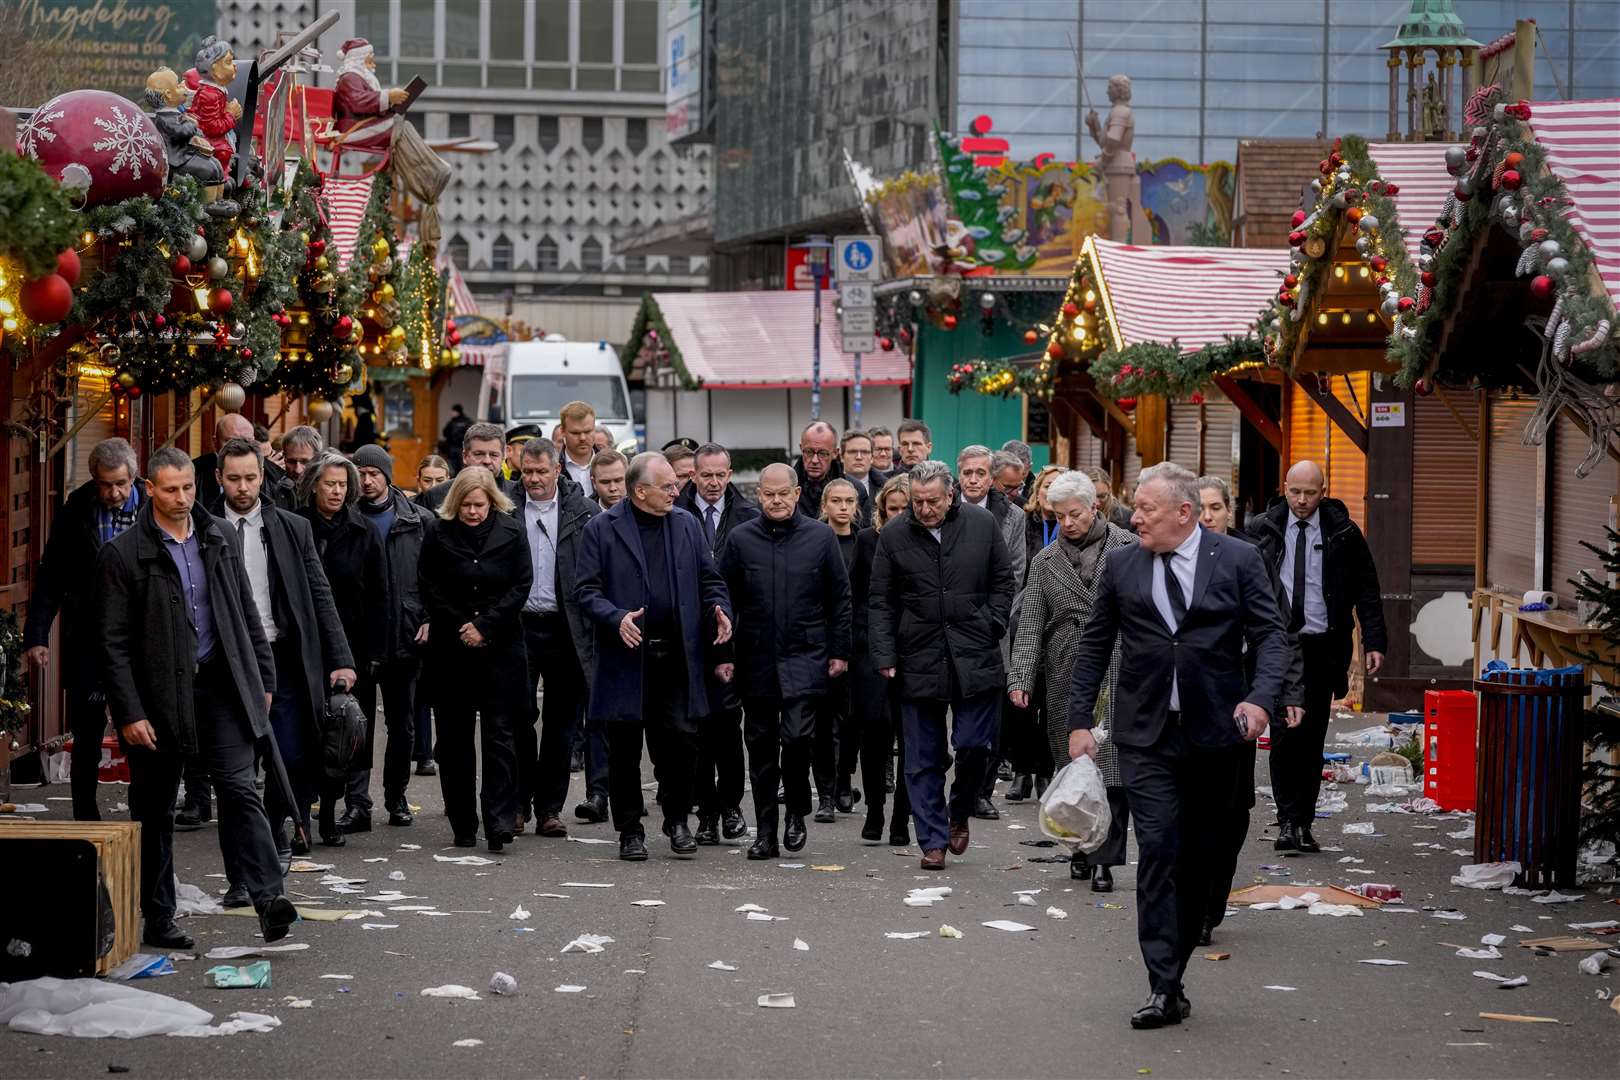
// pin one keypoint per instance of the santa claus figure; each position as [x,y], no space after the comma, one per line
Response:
[213,108]
[362,109]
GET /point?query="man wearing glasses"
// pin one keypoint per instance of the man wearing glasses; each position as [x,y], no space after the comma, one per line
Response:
[648,586]
[818,465]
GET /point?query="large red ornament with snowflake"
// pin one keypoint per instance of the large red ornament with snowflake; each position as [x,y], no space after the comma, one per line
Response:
[96,143]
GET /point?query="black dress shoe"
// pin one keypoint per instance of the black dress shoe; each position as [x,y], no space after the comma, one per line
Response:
[845,800]
[794,836]
[1021,787]
[1040,785]
[872,827]
[826,814]
[1004,771]
[192,817]
[333,839]
[764,847]
[1285,838]
[593,809]
[985,810]
[426,768]
[1305,841]
[496,842]
[466,841]
[167,935]
[732,825]
[1206,936]
[1079,867]
[708,831]
[899,834]
[354,821]
[632,847]
[1183,1006]
[236,897]
[400,813]
[681,841]
[1102,880]
[1157,1012]
[277,916]
[300,847]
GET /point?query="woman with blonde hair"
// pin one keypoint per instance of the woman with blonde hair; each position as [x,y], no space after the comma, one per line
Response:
[1040,528]
[475,571]
[876,700]
[840,504]
[836,742]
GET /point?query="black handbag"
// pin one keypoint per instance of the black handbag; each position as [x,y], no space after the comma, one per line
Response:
[343,733]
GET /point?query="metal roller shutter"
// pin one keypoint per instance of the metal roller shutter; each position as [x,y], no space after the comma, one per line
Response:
[1445,481]
[1579,509]
[1184,441]
[1312,436]
[1132,465]
[1220,439]
[1510,498]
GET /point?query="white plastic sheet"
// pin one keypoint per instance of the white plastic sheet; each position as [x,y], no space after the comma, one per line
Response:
[1074,808]
[92,1009]
[1495,875]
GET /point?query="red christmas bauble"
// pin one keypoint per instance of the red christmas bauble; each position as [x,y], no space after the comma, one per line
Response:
[1071,310]
[1423,387]
[1197,397]
[220,300]
[1297,220]
[247,354]
[317,247]
[454,336]
[1296,238]
[97,142]
[1324,166]
[1434,237]
[886,344]
[1512,160]
[1405,304]
[1354,214]
[1427,277]
[134,391]
[1512,180]
[1030,337]
[1127,403]
[46,300]
[949,321]
[1378,263]
[1541,286]
[1090,303]
[344,325]
[67,265]
[1391,189]
[181,266]
[1055,351]
[159,321]
[1290,280]
[1538,234]
[1285,299]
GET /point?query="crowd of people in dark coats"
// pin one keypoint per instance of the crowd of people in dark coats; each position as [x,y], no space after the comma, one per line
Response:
[551,606]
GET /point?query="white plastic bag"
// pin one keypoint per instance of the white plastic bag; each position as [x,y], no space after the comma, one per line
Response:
[1074,809]
[1495,875]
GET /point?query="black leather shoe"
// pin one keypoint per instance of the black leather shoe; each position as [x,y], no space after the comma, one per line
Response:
[681,841]
[764,847]
[1079,867]
[192,817]
[732,825]
[985,810]
[400,814]
[899,834]
[277,916]
[1021,787]
[872,828]
[354,821]
[794,836]
[1157,1012]
[1183,1006]
[1004,770]
[593,809]
[846,799]
[826,814]
[1285,839]
[708,831]
[236,897]
[466,841]
[1102,880]
[1305,841]
[632,847]
[426,768]
[167,935]
[333,839]
[1206,936]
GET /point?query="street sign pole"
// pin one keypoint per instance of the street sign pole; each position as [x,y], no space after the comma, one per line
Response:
[855,405]
[815,359]
[857,261]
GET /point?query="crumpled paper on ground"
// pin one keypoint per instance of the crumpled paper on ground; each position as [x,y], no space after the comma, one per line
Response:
[1495,875]
[452,990]
[190,900]
[588,943]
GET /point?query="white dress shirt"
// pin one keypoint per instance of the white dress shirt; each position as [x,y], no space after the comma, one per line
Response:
[1316,621]
[1184,561]
[982,504]
[540,525]
[580,474]
[256,559]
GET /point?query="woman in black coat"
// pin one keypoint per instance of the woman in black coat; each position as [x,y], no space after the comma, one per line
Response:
[475,572]
[1040,526]
[837,739]
[356,567]
[876,700]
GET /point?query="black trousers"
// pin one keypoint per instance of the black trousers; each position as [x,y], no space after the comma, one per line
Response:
[1296,753]
[779,733]
[1172,787]
[718,783]
[1021,742]
[837,742]
[1112,852]
[543,757]
[876,703]
[497,795]
[1233,834]
[225,750]
[397,681]
[670,734]
[87,719]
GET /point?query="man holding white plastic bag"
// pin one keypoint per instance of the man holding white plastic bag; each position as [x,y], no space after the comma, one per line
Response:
[1182,604]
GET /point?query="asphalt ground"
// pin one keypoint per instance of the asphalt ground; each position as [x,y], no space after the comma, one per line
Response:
[1053,1001]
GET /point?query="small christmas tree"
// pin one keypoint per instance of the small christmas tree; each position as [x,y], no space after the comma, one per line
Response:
[1601,775]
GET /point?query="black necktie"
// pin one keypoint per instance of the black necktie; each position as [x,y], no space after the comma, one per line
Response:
[1172,589]
[708,525]
[241,529]
[1296,610]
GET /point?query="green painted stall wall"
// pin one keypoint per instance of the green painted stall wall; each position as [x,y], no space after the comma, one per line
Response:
[959,420]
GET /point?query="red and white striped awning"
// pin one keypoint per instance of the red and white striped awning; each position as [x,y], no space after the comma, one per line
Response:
[345,199]
[492,357]
[1582,141]
[1418,171]
[458,298]
[1196,296]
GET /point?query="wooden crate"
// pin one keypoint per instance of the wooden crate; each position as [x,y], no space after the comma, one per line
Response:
[118,845]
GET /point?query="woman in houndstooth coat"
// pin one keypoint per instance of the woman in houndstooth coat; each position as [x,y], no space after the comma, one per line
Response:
[1056,606]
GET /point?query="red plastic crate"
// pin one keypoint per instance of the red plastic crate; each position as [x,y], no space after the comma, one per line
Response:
[1450,741]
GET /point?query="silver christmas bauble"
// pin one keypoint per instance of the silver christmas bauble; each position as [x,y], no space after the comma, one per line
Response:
[1465,185]
[218,268]
[1558,266]
[1364,246]
[1525,229]
[1316,186]
[1425,261]
[1550,249]
[1368,224]
[1456,158]
[196,249]
[1390,306]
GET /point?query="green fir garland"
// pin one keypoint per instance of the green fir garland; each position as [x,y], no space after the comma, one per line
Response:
[36,222]
[1151,368]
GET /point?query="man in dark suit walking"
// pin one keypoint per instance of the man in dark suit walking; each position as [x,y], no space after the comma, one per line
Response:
[1183,603]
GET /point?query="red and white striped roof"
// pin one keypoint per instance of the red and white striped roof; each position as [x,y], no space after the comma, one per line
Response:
[1196,296]
[760,340]
[458,297]
[345,199]
[1582,141]
[1418,171]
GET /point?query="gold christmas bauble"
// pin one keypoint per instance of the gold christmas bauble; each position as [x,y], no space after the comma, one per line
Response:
[318,411]
[321,262]
[386,291]
[380,248]
[344,373]
[397,333]
[126,380]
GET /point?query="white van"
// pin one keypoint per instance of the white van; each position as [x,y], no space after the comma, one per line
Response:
[543,376]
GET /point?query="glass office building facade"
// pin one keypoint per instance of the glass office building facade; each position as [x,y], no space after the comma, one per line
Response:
[1206,73]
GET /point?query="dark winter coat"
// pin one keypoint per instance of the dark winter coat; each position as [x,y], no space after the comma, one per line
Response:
[739,508]
[64,582]
[810,493]
[939,609]
[611,581]
[464,582]
[147,646]
[1010,520]
[1035,538]
[788,583]
[1349,579]
[1294,677]
[402,551]
[356,568]
[574,512]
